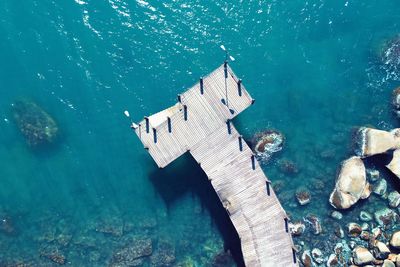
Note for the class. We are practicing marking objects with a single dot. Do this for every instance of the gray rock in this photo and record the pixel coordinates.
(394, 199)
(388, 263)
(332, 261)
(353, 229)
(315, 223)
(373, 175)
(385, 217)
(380, 187)
(365, 235)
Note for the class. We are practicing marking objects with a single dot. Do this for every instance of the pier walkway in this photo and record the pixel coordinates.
(200, 123)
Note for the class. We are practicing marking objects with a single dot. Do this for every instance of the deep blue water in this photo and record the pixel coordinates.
(313, 67)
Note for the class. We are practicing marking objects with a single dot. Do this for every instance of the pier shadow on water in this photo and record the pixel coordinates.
(184, 176)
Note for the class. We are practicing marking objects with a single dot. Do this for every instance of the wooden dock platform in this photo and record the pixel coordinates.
(200, 123)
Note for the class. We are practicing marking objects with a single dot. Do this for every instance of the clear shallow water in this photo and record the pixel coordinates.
(313, 68)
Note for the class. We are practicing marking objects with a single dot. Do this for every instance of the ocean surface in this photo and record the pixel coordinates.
(314, 68)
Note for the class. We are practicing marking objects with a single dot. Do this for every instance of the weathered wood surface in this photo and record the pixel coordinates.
(200, 123)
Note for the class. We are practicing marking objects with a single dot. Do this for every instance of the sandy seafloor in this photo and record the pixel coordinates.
(314, 68)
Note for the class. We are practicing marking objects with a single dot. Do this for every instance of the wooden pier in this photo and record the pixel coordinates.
(200, 123)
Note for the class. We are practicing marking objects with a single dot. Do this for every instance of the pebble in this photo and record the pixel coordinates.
(376, 232)
(336, 215)
(373, 175)
(365, 216)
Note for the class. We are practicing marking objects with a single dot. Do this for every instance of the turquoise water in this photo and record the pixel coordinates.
(313, 67)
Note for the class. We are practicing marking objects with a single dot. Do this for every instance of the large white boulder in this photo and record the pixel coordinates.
(372, 141)
(351, 184)
(362, 256)
(394, 165)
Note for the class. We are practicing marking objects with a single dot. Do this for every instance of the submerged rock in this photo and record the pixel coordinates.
(222, 259)
(315, 223)
(336, 215)
(110, 225)
(35, 124)
(132, 253)
(317, 255)
(267, 143)
(288, 167)
(54, 254)
(303, 196)
(391, 54)
(394, 165)
(371, 141)
(297, 228)
(6, 225)
(306, 258)
(351, 184)
(396, 101)
(164, 255)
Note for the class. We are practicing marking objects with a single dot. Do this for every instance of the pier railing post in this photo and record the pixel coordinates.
(228, 124)
(286, 225)
(155, 135)
(240, 143)
(169, 124)
(253, 162)
(201, 86)
(147, 124)
(239, 83)
(185, 115)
